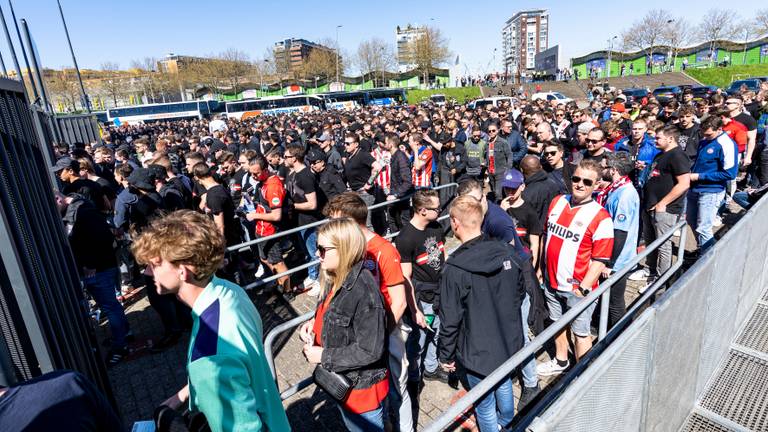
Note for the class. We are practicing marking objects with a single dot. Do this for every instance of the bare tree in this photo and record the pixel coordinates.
(761, 22)
(676, 34)
(321, 63)
(429, 50)
(64, 88)
(236, 67)
(113, 84)
(716, 25)
(374, 55)
(647, 33)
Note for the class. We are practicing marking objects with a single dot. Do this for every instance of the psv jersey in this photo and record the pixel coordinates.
(575, 237)
(422, 177)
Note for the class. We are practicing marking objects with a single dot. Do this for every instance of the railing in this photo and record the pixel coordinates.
(602, 292)
(503, 371)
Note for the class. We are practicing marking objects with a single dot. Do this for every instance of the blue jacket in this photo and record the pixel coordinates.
(716, 164)
(518, 146)
(646, 153)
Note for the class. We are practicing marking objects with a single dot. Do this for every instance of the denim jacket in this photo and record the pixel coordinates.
(354, 330)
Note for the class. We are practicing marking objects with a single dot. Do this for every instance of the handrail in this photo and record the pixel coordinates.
(502, 372)
(240, 247)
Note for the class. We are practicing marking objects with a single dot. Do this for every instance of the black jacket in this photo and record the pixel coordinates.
(330, 182)
(481, 290)
(539, 191)
(90, 236)
(401, 182)
(355, 330)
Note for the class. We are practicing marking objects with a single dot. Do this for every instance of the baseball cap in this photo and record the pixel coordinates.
(66, 162)
(315, 155)
(512, 179)
(618, 107)
(586, 126)
(142, 178)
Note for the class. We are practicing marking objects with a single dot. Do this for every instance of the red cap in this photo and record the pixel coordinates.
(618, 107)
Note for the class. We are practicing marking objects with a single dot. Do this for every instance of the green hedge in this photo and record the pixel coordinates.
(461, 94)
(723, 76)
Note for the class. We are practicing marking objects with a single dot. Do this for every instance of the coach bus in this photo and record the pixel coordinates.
(274, 105)
(351, 99)
(385, 96)
(161, 111)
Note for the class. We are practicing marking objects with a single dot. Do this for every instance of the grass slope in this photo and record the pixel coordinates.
(723, 76)
(459, 93)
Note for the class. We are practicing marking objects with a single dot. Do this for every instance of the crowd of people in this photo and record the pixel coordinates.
(550, 199)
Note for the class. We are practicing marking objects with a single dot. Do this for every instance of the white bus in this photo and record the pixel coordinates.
(274, 105)
(163, 111)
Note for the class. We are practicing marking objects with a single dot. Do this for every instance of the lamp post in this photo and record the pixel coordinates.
(261, 77)
(337, 52)
(746, 38)
(674, 56)
(610, 49)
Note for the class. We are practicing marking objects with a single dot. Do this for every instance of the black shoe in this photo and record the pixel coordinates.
(166, 342)
(438, 375)
(527, 395)
(115, 356)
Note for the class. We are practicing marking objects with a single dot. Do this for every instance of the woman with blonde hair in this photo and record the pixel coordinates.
(346, 338)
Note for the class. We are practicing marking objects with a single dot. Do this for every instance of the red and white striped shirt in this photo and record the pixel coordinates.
(576, 236)
(383, 157)
(422, 177)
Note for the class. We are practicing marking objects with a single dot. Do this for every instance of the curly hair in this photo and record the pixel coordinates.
(182, 237)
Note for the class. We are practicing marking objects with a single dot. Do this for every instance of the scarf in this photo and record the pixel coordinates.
(602, 195)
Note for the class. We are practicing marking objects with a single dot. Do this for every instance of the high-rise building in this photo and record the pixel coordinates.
(522, 37)
(406, 38)
(290, 54)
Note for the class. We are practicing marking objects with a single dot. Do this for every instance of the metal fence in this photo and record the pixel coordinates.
(651, 376)
(82, 128)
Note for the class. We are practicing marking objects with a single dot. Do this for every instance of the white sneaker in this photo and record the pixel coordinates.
(315, 290)
(260, 271)
(718, 222)
(551, 368)
(639, 275)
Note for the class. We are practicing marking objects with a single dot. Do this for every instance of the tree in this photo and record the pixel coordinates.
(428, 51)
(761, 22)
(716, 25)
(647, 33)
(236, 67)
(144, 70)
(64, 88)
(676, 35)
(113, 84)
(374, 55)
(320, 63)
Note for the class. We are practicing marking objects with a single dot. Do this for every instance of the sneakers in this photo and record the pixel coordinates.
(438, 375)
(527, 395)
(639, 275)
(717, 222)
(115, 356)
(551, 367)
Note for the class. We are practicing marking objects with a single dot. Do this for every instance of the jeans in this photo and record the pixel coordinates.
(742, 199)
(497, 408)
(418, 340)
(309, 237)
(101, 287)
(702, 210)
(398, 396)
(368, 421)
(530, 377)
(656, 224)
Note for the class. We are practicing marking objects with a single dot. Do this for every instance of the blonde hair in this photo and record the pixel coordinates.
(348, 239)
(468, 211)
(182, 237)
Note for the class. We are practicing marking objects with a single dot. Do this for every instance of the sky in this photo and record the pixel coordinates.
(112, 31)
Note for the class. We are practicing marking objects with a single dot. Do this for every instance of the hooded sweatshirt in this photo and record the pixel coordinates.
(481, 291)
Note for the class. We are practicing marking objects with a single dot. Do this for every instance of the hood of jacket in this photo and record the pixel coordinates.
(481, 255)
(540, 176)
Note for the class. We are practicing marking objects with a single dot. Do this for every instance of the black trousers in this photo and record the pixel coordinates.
(175, 315)
(616, 304)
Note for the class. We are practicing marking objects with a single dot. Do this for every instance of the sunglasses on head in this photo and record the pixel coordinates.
(323, 249)
(587, 182)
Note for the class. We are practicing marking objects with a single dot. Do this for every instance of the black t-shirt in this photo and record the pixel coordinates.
(664, 170)
(753, 108)
(689, 141)
(299, 185)
(747, 120)
(526, 221)
(424, 250)
(89, 189)
(218, 201)
(57, 401)
(598, 158)
(358, 169)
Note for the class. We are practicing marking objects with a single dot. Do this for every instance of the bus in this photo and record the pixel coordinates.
(385, 96)
(274, 105)
(348, 100)
(161, 111)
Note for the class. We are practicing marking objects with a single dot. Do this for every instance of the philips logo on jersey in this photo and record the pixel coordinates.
(563, 232)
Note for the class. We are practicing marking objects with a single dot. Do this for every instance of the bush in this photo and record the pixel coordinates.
(459, 93)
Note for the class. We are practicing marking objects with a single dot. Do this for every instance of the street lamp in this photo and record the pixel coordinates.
(337, 51)
(261, 77)
(610, 49)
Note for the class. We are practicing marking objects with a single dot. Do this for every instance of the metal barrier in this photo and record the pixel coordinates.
(666, 358)
(602, 292)
(245, 245)
(82, 128)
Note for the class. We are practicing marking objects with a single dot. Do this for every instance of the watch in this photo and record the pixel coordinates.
(585, 292)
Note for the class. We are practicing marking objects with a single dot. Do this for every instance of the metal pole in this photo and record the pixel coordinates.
(23, 53)
(337, 52)
(13, 50)
(74, 60)
(36, 64)
(2, 64)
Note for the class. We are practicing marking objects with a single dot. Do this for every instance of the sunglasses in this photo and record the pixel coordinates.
(593, 141)
(587, 182)
(323, 249)
(438, 210)
(550, 153)
(346, 143)
(492, 130)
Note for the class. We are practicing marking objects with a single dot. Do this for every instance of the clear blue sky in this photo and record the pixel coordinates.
(107, 30)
